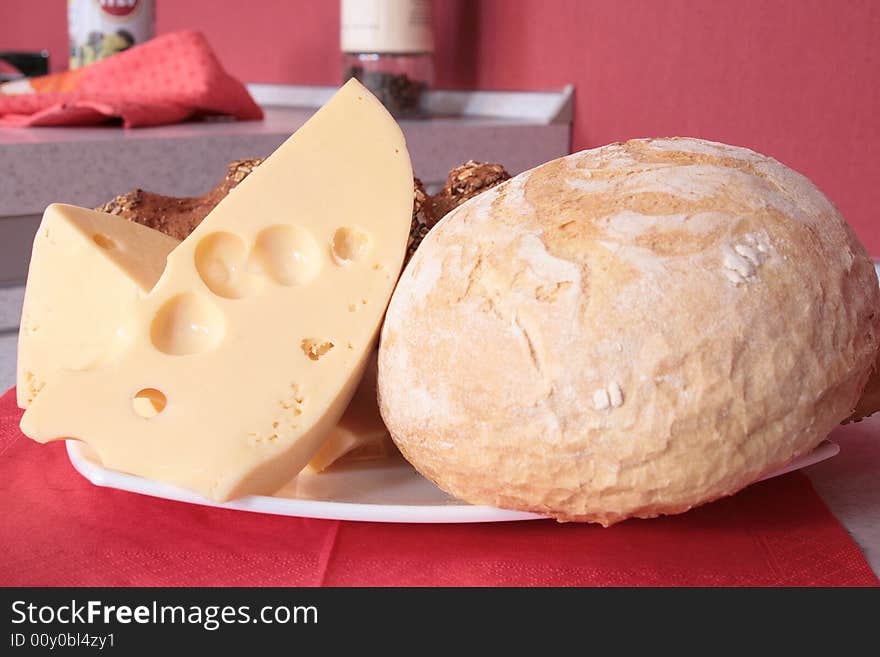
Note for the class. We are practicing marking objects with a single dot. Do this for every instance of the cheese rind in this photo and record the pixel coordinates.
(222, 334)
(88, 270)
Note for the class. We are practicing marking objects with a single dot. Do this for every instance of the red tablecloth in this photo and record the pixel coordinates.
(58, 529)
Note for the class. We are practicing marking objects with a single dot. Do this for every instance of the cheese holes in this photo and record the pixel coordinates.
(349, 245)
(221, 261)
(285, 254)
(148, 402)
(186, 324)
(103, 241)
(288, 254)
(314, 348)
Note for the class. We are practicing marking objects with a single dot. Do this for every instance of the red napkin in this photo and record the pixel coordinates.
(57, 529)
(166, 80)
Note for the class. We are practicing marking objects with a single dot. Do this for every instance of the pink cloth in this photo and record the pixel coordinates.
(169, 79)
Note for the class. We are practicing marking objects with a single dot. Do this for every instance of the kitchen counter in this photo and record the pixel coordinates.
(89, 166)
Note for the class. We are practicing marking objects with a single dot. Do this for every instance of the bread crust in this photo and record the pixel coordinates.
(869, 402)
(628, 331)
(172, 215)
(179, 216)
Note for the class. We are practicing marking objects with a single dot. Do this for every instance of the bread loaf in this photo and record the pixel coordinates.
(869, 402)
(177, 216)
(628, 331)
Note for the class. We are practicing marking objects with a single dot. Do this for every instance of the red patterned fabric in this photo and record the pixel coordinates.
(57, 529)
(166, 80)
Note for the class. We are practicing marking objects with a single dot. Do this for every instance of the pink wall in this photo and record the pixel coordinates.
(796, 79)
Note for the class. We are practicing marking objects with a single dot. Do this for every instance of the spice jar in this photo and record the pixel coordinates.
(100, 28)
(388, 45)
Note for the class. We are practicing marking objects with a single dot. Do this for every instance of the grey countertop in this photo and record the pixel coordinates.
(89, 166)
(8, 342)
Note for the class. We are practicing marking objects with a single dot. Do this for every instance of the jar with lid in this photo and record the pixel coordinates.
(388, 45)
(101, 28)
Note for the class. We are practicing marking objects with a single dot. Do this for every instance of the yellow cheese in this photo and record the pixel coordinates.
(246, 352)
(87, 271)
(360, 433)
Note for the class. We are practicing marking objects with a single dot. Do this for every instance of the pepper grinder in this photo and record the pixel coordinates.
(388, 45)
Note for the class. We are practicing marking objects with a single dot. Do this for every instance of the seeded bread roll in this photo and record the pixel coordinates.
(628, 331)
(463, 183)
(172, 215)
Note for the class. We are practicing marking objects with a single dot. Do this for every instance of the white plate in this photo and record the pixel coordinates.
(381, 491)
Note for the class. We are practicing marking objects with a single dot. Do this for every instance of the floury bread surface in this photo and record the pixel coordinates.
(628, 331)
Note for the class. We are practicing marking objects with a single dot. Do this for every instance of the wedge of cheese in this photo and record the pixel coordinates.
(246, 352)
(88, 270)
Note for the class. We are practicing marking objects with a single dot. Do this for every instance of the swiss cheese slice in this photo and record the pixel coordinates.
(246, 352)
(88, 270)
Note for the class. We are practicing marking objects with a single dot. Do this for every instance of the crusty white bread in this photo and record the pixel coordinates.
(628, 331)
(869, 402)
